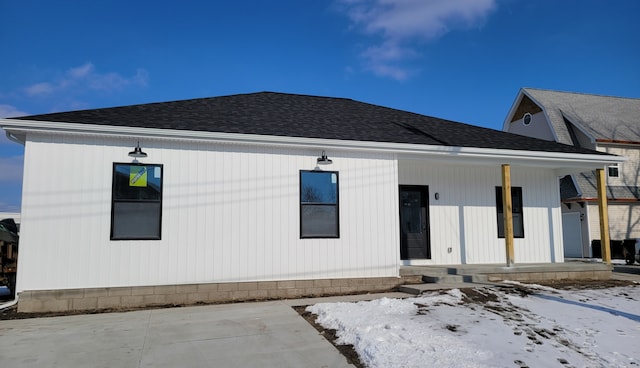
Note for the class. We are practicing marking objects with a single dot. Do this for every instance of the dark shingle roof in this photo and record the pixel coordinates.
(279, 114)
(568, 189)
(588, 188)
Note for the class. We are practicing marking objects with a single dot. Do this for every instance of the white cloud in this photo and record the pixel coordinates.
(381, 60)
(141, 78)
(399, 24)
(81, 71)
(383, 69)
(85, 77)
(11, 169)
(8, 111)
(39, 89)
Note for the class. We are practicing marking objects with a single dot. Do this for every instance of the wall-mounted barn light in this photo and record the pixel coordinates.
(324, 160)
(137, 152)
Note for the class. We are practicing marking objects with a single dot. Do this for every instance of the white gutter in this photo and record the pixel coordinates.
(13, 139)
(503, 155)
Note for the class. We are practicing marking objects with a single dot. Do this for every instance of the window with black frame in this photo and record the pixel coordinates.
(516, 210)
(319, 208)
(136, 205)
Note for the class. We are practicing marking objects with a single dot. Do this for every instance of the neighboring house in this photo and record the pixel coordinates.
(11, 215)
(602, 123)
(269, 195)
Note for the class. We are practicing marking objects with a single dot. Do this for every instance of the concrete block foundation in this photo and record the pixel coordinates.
(94, 299)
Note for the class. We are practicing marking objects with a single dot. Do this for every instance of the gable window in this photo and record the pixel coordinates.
(136, 202)
(319, 210)
(614, 171)
(516, 204)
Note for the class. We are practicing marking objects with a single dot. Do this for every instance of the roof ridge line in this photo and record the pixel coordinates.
(580, 93)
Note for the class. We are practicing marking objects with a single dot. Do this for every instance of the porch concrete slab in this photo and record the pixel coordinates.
(467, 269)
(269, 334)
(344, 298)
(417, 289)
(522, 272)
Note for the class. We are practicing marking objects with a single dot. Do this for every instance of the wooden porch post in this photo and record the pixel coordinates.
(604, 217)
(507, 210)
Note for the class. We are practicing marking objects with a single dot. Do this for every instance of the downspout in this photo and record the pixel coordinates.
(14, 301)
(9, 304)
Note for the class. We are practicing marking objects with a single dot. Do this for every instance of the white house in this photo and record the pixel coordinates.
(603, 123)
(235, 199)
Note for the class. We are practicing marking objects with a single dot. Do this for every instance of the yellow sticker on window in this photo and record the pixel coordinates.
(138, 176)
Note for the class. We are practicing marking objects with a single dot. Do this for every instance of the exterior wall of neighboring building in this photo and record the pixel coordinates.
(230, 214)
(624, 221)
(464, 217)
(624, 217)
(629, 171)
(537, 128)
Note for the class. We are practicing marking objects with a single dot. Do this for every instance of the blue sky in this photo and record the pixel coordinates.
(462, 60)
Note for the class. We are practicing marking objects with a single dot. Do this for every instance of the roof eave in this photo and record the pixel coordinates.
(573, 162)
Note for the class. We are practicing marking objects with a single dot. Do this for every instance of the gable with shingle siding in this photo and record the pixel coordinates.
(602, 117)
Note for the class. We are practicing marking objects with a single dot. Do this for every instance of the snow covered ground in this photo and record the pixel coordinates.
(522, 325)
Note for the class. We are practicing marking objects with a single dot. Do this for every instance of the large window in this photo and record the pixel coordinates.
(516, 204)
(319, 212)
(136, 202)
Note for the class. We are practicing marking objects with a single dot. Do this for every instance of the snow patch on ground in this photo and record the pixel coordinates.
(519, 325)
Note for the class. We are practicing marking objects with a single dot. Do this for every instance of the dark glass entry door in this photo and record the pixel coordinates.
(414, 222)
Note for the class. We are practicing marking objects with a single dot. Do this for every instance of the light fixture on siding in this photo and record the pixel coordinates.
(324, 160)
(137, 152)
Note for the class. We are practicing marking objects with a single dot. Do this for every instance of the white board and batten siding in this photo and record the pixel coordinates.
(464, 216)
(230, 213)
